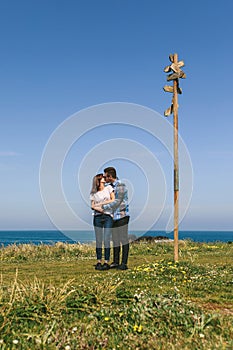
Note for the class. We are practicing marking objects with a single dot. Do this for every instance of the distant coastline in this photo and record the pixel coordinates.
(52, 236)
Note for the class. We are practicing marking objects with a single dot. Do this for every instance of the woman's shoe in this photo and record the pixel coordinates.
(98, 266)
(105, 266)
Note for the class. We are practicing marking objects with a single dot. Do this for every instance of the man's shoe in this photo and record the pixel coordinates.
(114, 265)
(105, 266)
(98, 266)
(122, 267)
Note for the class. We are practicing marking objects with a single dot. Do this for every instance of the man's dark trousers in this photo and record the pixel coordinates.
(120, 237)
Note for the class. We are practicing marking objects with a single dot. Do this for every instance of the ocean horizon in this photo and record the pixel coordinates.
(8, 237)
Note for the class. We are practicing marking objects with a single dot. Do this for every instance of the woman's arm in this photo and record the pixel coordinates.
(112, 198)
(98, 206)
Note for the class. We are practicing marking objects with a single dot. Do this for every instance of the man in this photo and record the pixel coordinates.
(121, 219)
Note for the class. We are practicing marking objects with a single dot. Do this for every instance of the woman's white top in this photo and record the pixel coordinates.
(102, 196)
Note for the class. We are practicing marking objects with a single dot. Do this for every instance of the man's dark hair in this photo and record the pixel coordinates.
(111, 171)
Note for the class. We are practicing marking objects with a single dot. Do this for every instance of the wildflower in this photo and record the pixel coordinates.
(67, 347)
(146, 269)
(15, 341)
(49, 340)
(74, 329)
(201, 335)
(106, 318)
(139, 329)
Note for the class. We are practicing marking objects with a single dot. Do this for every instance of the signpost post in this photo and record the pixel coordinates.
(177, 73)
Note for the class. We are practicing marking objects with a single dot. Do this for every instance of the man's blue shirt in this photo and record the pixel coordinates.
(120, 205)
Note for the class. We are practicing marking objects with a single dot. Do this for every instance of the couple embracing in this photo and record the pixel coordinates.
(109, 200)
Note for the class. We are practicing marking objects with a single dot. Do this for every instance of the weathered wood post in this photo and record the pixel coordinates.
(175, 89)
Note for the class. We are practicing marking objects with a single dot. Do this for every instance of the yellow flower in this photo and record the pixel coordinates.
(139, 329)
(106, 318)
(146, 269)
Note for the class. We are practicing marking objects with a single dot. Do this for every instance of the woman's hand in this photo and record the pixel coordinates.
(97, 208)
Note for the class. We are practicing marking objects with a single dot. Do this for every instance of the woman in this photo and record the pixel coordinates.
(103, 220)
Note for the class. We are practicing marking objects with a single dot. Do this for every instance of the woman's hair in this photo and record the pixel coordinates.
(96, 183)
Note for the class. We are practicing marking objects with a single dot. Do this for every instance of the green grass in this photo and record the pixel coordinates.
(52, 298)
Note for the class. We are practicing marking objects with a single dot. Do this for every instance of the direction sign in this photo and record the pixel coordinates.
(168, 111)
(168, 88)
(178, 75)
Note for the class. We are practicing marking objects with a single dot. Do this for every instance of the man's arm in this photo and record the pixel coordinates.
(112, 198)
(99, 206)
(120, 197)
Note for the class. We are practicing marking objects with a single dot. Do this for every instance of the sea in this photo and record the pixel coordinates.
(52, 236)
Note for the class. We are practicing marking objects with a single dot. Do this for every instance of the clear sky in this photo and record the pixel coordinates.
(59, 57)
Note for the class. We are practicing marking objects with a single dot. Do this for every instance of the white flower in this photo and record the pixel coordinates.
(67, 347)
(74, 329)
(15, 341)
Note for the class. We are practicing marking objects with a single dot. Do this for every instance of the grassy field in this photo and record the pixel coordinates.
(52, 298)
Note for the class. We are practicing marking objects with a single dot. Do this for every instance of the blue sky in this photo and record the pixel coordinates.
(60, 57)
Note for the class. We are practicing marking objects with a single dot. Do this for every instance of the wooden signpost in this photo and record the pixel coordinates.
(174, 76)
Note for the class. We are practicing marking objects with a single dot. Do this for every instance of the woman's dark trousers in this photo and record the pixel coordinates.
(103, 229)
